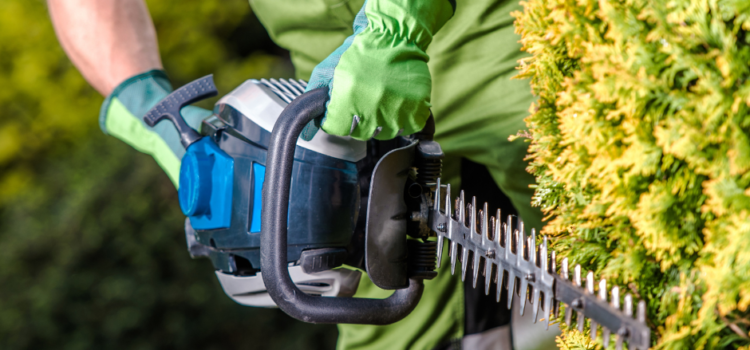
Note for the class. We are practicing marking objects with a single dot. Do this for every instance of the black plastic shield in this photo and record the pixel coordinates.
(386, 253)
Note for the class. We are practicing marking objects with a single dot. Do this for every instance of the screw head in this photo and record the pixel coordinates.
(490, 254)
(577, 304)
(623, 332)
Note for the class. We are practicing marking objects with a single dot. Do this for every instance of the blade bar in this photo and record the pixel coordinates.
(516, 256)
(638, 334)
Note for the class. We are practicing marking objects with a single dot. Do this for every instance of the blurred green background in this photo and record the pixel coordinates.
(92, 251)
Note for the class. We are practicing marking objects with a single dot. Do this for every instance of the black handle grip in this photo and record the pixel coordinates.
(170, 106)
(273, 239)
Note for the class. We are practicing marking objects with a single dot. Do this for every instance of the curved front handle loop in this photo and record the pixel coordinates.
(273, 241)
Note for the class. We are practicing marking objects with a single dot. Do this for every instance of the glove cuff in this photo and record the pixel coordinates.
(138, 94)
(414, 21)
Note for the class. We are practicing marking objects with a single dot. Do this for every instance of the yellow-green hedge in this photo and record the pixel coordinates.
(640, 141)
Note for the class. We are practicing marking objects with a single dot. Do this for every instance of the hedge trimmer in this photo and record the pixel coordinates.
(276, 215)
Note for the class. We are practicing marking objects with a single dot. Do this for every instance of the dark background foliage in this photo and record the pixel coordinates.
(92, 252)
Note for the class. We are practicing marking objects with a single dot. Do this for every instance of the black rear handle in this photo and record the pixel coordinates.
(273, 241)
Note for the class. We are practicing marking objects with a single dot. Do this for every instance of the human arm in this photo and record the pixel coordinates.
(113, 44)
(108, 41)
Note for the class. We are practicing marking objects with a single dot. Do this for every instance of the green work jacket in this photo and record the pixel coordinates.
(476, 106)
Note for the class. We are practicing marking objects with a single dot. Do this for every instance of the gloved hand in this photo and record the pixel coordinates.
(122, 116)
(378, 81)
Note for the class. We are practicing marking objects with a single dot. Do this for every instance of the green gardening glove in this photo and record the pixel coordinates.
(122, 116)
(378, 81)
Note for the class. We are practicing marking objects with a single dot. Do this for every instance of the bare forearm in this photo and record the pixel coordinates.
(107, 40)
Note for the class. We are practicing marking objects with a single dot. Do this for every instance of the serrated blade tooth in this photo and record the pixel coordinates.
(476, 261)
(509, 236)
(491, 236)
(603, 296)
(565, 274)
(487, 276)
(437, 195)
(535, 304)
(448, 213)
(439, 250)
(552, 259)
(461, 209)
(523, 294)
(605, 337)
(532, 247)
(511, 287)
(506, 240)
(521, 237)
(579, 315)
(498, 229)
(628, 305)
(499, 283)
(641, 314)
(453, 253)
(520, 247)
(555, 308)
(619, 339)
(548, 309)
(464, 262)
(580, 321)
(485, 223)
(543, 255)
(616, 304)
(473, 218)
(590, 289)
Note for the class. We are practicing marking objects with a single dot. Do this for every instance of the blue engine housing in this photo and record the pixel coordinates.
(206, 181)
(222, 174)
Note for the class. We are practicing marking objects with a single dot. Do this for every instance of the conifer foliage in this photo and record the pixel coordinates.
(640, 141)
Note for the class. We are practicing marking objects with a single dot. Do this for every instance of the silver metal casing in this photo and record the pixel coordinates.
(265, 111)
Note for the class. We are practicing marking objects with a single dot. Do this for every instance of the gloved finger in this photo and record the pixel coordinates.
(348, 124)
(386, 133)
(413, 121)
(417, 124)
(364, 131)
(365, 128)
(337, 125)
